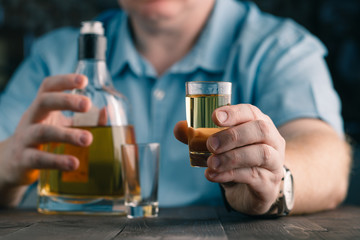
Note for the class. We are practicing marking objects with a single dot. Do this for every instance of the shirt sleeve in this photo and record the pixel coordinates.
(293, 80)
(19, 93)
(51, 54)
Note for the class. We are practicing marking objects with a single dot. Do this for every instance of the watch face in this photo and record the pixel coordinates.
(288, 190)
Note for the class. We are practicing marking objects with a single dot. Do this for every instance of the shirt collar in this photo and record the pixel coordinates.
(123, 53)
(213, 47)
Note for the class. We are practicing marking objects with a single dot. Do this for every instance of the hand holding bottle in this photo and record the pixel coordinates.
(97, 183)
(43, 122)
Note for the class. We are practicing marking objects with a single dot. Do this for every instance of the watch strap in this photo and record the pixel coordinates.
(279, 208)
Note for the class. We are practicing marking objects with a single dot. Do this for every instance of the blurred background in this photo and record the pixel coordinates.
(335, 22)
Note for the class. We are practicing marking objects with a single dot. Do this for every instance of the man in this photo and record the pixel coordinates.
(285, 111)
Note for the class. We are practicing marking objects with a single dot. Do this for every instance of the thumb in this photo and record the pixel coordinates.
(180, 131)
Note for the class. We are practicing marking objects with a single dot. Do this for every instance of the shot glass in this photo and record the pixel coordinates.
(202, 98)
(141, 172)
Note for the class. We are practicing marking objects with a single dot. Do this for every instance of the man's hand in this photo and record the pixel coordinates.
(42, 123)
(247, 158)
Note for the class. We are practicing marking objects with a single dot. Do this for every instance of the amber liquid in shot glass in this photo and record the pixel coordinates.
(199, 109)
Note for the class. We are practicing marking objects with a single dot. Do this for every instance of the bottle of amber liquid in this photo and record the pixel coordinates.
(97, 186)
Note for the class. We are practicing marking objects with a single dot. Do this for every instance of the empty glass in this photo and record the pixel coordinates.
(141, 171)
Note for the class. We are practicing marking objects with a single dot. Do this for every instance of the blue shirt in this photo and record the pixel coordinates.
(273, 63)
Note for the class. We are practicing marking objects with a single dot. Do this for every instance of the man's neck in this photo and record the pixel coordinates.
(163, 43)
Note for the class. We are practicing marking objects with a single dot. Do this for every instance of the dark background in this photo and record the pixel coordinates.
(335, 22)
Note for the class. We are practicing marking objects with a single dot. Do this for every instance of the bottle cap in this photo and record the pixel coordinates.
(92, 27)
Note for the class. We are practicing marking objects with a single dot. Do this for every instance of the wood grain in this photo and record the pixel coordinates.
(181, 223)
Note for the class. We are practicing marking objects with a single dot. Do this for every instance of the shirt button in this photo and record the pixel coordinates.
(159, 94)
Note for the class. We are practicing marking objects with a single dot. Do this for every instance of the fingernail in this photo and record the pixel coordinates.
(70, 165)
(82, 105)
(84, 139)
(222, 116)
(214, 143)
(215, 162)
(78, 80)
(212, 174)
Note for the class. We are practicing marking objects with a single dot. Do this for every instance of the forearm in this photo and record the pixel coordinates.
(320, 163)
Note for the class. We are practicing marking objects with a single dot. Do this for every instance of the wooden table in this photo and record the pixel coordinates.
(181, 223)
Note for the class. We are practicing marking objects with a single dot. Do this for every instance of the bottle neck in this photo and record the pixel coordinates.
(96, 71)
(92, 46)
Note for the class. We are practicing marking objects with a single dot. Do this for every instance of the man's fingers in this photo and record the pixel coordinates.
(63, 82)
(36, 159)
(47, 102)
(257, 131)
(180, 131)
(255, 177)
(227, 116)
(43, 133)
(256, 155)
(103, 117)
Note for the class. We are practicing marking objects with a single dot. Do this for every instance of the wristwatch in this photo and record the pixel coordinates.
(285, 201)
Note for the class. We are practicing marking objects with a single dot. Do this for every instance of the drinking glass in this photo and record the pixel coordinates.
(141, 171)
(202, 98)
